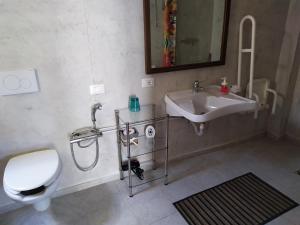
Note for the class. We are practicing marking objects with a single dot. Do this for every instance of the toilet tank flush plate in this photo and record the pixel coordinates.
(18, 82)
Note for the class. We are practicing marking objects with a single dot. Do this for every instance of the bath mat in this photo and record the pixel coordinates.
(241, 201)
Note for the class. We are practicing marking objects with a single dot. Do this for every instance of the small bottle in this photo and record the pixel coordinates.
(224, 86)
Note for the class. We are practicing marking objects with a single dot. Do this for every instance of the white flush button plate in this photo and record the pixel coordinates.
(18, 82)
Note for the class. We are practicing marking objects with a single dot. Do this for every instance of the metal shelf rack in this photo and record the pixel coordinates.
(147, 147)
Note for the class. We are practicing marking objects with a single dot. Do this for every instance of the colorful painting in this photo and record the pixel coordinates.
(170, 10)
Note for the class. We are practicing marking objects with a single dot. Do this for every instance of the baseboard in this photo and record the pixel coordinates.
(79, 187)
(65, 191)
(115, 176)
(10, 207)
(292, 138)
(217, 147)
(274, 135)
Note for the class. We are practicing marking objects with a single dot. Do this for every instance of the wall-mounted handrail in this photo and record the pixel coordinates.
(274, 99)
(249, 50)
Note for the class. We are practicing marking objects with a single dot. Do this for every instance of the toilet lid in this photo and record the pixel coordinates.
(31, 170)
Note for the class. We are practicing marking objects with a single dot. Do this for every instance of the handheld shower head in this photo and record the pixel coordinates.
(94, 109)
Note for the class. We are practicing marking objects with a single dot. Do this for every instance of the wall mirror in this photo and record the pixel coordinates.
(185, 34)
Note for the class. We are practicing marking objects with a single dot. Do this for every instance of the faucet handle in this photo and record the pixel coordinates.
(197, 87)
(196, 83)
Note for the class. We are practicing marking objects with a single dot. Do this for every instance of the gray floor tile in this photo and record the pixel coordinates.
(174, 219)
(152, 209)
(112, 216)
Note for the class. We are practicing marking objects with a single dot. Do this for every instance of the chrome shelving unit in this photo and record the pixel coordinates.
(147, 150)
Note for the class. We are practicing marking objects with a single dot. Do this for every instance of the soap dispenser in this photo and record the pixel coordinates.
(224, 86)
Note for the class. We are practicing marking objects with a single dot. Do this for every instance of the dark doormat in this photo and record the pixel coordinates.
(244, 200)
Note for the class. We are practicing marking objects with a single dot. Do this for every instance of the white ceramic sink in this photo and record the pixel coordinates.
(206, 105)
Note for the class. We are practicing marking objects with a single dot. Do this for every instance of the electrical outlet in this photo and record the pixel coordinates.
(147, 82)
(97, 89)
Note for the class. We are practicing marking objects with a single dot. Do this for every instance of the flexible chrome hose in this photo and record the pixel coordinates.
(85, 146)
(84, 141)
(92, 141)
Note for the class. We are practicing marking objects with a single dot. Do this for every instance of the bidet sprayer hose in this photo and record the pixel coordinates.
(96, 157)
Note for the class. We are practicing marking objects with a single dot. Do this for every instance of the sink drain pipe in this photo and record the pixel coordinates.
(199, 128)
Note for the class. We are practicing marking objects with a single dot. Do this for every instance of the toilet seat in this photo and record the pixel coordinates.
(32, 178)
(32, 170)
(17, 196)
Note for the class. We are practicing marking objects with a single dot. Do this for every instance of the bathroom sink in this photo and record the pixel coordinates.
(206, 105)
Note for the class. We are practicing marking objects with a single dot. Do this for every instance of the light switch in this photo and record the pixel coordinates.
(97, 89)
(18, 82)
(147, 82)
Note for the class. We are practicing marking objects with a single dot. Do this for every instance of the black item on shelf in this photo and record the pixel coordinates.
(135, 167)
(139, 172)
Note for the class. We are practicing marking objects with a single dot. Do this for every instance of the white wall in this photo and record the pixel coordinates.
(293, 127)
(75, 43)
(285, 79)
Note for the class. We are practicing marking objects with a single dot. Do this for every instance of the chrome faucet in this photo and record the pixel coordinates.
(94, 109)
(196, 87)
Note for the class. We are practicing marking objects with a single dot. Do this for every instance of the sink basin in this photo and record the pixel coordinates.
(206, 105)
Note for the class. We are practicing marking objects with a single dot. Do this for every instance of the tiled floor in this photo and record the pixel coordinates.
(108, 204)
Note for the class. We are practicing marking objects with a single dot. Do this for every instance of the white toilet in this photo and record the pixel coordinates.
(33, 177)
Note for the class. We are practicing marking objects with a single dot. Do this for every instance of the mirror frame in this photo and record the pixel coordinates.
(147, 37)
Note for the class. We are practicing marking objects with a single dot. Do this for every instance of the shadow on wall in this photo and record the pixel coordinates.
(293, 119)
